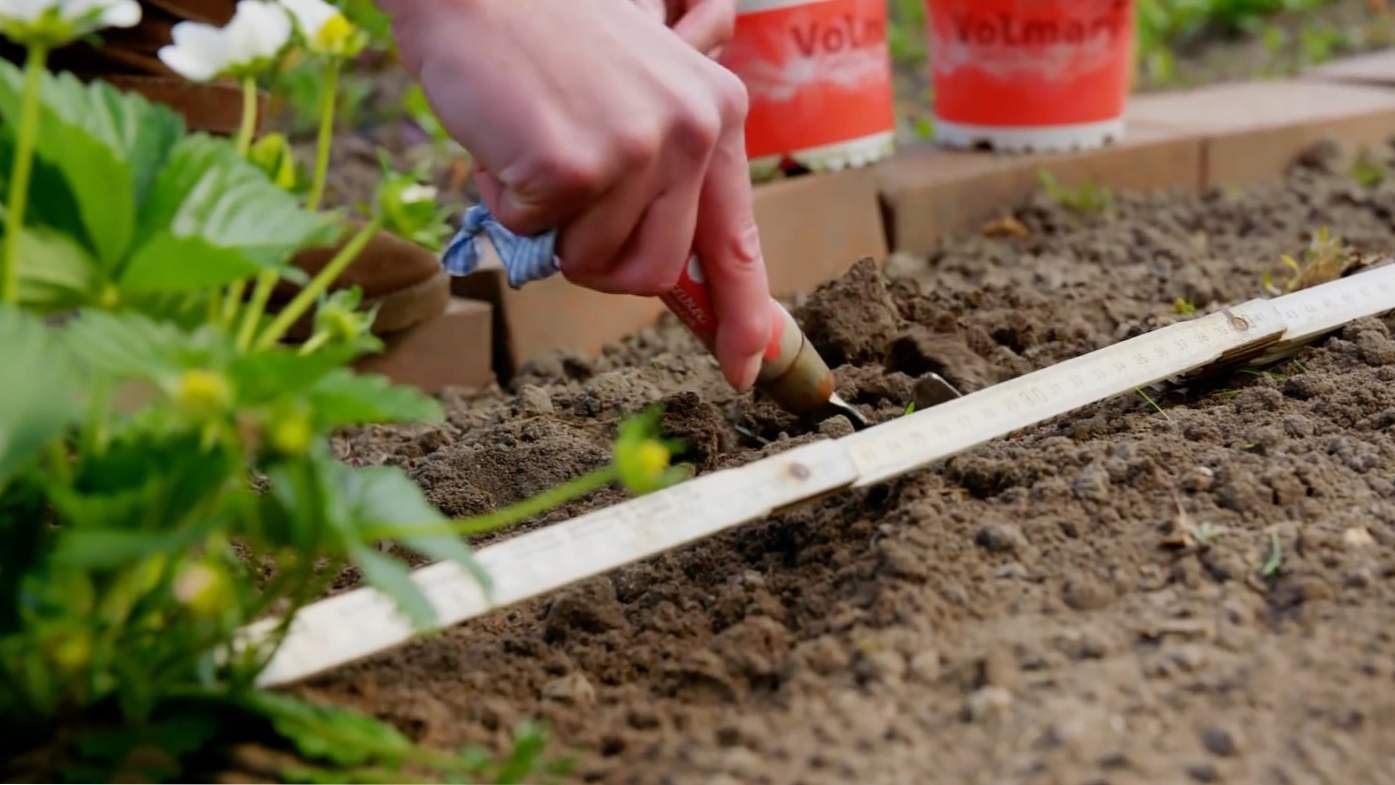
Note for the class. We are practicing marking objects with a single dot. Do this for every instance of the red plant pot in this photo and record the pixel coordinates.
(819, 78)
(1030, 74)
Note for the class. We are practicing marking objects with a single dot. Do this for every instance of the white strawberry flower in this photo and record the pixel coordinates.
(57, 22)
(248, 44)
(325, 28)
(417, 192)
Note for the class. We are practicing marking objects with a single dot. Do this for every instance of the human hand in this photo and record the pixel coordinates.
(707, 25)
(590, 118)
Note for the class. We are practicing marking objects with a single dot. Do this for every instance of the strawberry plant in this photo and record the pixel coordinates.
(165, 471)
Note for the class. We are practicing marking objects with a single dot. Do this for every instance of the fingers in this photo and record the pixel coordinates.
(729, 245)
(589, 247)
(653, 259)
(707, 25)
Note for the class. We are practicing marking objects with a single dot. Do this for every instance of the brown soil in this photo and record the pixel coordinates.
(1081, 603)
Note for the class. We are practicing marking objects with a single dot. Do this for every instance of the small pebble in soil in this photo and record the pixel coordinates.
(1000, 538)
(1358, 537)
(987, 704)
(1085, 593)
(1203, 772)
(925, 666)
(534, 400)
(1000, 669)
(836, 427)
(573, 689)
(1218, 741)
(887, 667)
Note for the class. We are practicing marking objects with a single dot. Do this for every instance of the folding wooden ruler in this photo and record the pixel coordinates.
(362, 622)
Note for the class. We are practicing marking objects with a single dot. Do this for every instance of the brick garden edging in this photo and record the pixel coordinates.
(813, 227)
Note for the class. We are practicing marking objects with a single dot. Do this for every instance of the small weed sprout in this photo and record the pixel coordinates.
(1369, 171)
(1154, 404)
(1183, 307)
(1325, 259)
(1086, 199)
(1204, 534)
(1275, 560)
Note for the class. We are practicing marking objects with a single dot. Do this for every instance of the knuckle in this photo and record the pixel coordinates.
(646, 280)
(561, 175)
(696, 132)
(733, 102)
(726, 24)
(637, 144)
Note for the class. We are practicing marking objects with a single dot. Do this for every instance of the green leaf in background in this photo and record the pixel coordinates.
(39, 390)
(379, 496)
(107, 144)
(56, 272)
(213, 218)
(343, 397)
(383, 498)
(128, 345)
(394, 579)
(329, 734)
(273, 155)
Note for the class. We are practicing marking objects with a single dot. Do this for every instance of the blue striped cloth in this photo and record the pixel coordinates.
(525, 258)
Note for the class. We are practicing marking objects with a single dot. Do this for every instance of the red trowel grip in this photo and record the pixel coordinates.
(791, 371)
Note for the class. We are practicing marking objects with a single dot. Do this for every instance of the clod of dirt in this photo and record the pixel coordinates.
(590, 607)
(918, 351)
(482, 474)
(851, 319)
(572, 689)
(698, 425)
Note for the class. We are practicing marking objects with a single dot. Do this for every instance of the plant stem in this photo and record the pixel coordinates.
(266, 281)
(19, 175)
(249, 115)
(317, 340)
(215, 306)
(508, 516)
(328, 100)
(233, 300)
(317, 286)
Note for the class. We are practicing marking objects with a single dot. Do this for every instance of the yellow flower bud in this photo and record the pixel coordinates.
(203, 588)
(335, 36)
(203, 392)
(68, 649)
(290, 434)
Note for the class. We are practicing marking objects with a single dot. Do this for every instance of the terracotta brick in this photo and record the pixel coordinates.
(1374, 68)
(451, 350)
(553, 314)
(1254, 131)
(929, 192)
(814, 227)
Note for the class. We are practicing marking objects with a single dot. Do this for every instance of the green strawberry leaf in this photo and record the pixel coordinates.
(325, 733)
(343, 397)
(39, 390)
(394, 579)
(130, 346)
(213, 218)
(107, 144)
(55, 272)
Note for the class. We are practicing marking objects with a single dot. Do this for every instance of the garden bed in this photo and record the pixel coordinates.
(1197, 592)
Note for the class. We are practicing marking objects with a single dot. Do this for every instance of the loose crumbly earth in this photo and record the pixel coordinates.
(1080, 603)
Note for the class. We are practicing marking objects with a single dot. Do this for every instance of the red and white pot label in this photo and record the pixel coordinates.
(818, 73)
(1027, 63)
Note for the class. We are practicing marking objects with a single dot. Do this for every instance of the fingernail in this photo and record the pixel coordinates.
(749, 372)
